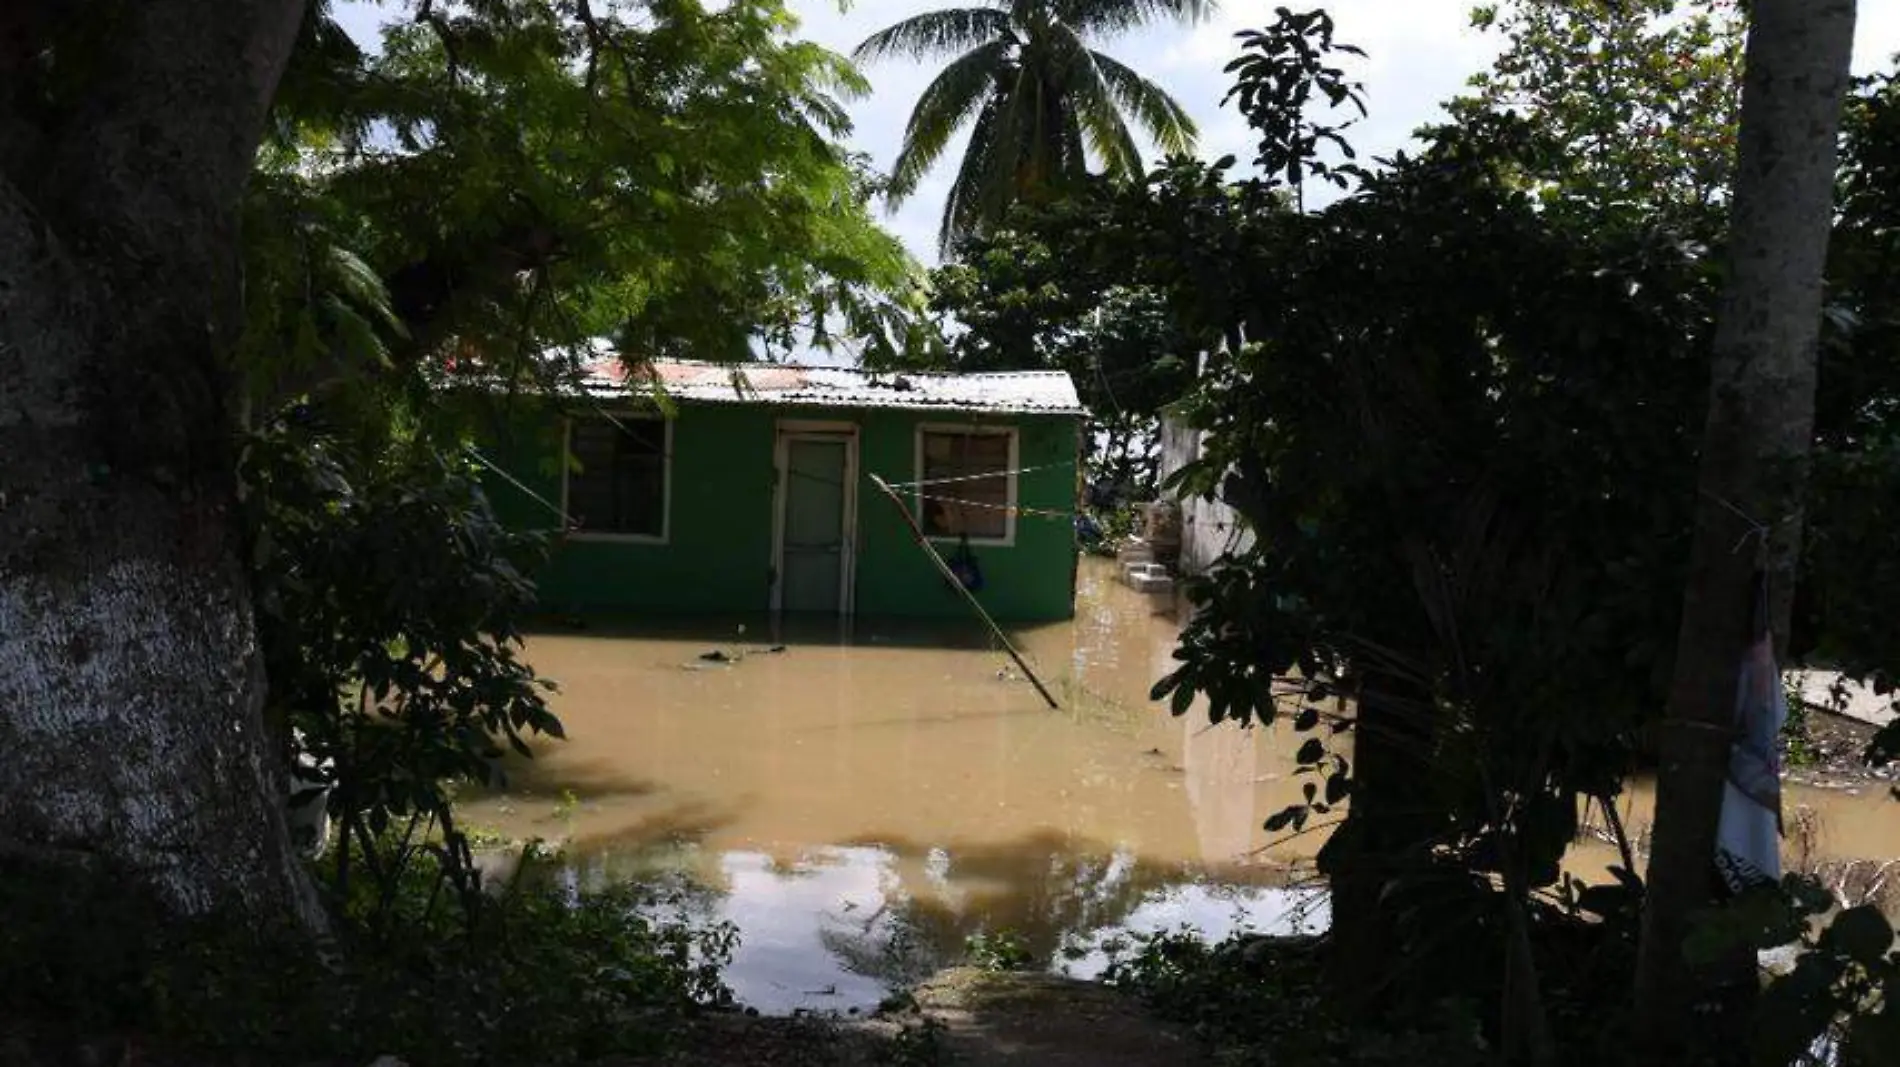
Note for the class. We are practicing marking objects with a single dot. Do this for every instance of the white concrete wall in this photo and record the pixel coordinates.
(1208, 528)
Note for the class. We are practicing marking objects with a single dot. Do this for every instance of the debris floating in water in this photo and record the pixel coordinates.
(732, 657)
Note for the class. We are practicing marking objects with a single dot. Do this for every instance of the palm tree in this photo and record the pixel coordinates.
(1044, 101)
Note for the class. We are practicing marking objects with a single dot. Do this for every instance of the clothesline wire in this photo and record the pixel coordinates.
(1017, 509)
(980, 477)
(1012, 508)
(567, 520)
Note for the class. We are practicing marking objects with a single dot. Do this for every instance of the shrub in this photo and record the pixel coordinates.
(543, 975)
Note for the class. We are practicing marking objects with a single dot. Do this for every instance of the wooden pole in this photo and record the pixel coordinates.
(950, 576)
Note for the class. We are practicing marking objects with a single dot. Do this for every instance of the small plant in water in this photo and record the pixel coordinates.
(1002, 950)
(1796, 737)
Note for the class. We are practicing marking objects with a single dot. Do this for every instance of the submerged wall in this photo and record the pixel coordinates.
(1208, 527)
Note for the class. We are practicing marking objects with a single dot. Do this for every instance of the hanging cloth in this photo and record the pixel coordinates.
(1747, 850)
(963, 564)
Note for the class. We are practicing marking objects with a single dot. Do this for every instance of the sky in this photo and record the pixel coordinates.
(1419, 53)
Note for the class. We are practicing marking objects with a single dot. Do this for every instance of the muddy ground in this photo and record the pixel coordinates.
(963, 1016)
(1830, 757)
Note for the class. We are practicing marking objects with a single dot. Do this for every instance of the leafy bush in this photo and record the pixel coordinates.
(1258, 1000)
(388, 600)
(1002, 950)
(542, 976)
(1840, 1001)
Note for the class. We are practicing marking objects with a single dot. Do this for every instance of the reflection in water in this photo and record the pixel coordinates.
(840, 927)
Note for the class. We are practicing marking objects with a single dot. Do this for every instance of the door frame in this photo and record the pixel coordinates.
(846, 433)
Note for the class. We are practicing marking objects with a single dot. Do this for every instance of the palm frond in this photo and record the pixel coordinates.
(359, 283)
(1090, 106)
(1117, 16)
(1031, 140)
(1075, 148)
(963, 208)
(935, 33)
(1162, 117)
(945, 106)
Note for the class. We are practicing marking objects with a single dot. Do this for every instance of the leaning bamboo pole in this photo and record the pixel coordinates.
(917, 533)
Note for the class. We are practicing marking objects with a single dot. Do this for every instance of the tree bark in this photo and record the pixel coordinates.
(1383, 837)
(131, 685)
(1754, 451)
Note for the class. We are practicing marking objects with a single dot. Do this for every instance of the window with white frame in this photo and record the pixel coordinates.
(968, 482)
(616, 476)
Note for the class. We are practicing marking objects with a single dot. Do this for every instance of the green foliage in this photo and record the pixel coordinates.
(388, 599)
(1850, 574)
(1257, 1000)
(999, 950)
(1044, 102)
(1461, 427)
(1459, 410)
(1843, 989)
(1635, 103)
(1797, 734)
(545, 976)
(532, 174)
(1277, 76)
(1435, 349)
(1118, 523)
(312, 305)
(1045, 291)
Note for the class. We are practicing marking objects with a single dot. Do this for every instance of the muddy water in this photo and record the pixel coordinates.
(862, 801)
(1824, 828)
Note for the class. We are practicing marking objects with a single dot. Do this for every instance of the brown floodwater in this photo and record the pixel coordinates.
(861, 802)
(860, 798)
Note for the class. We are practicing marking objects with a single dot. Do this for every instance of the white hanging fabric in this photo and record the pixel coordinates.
(1748, 838)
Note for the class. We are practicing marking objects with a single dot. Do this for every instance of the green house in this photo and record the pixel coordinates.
(753, 492)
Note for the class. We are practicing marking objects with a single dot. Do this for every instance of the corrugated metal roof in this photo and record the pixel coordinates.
(1008, 392)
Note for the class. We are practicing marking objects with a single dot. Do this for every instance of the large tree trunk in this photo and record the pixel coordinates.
(131, 739)
(1382, 838)
(1754, 451)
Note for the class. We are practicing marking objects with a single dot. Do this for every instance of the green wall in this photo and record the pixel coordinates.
(717, 557)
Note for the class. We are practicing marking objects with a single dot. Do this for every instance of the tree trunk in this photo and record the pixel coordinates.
(1381, 838)
(1754, 451)
(131, 740)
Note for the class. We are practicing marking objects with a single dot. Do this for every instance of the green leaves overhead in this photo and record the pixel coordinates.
(1045, 290)
(938, 33)
(1160, 114)
(526, 175)
(1117, 16)
(1277, 77)
(1040, 100)
(1459, 428)
(957, 93)
(1635, 102)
